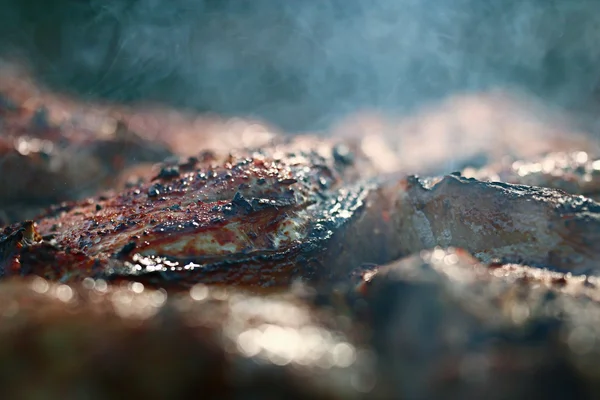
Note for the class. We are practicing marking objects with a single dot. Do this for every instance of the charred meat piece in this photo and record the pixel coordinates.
(575, 173)
(447, 327)
(12, 241)
(22, 248)
(302, 208)
(101, 341)
(511, 223)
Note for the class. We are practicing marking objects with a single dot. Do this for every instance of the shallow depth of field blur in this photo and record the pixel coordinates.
(425, 87)
(454, 74)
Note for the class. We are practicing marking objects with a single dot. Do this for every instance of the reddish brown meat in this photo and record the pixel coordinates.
(43, 162)
(263, 211)
(302, 208)
(539, 226)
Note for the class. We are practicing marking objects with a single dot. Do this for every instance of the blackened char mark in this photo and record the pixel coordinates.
(167, 172)
(13, 239)
(308, 259)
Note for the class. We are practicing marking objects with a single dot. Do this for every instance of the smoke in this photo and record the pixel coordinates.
(305, 64)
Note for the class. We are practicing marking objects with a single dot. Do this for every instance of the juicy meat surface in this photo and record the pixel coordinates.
(301, 208)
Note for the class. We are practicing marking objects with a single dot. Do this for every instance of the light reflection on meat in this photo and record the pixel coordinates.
(260, 218)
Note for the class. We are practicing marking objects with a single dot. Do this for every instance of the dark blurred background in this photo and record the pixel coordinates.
(304, 64)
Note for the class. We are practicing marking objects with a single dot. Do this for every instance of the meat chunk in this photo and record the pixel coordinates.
(469, 130)
(301, 208)
(499, 221)
(447, 327)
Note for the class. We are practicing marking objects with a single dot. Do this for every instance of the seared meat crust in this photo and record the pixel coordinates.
(302, 208)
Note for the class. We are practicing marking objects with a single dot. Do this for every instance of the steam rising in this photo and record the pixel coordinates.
(305, 64)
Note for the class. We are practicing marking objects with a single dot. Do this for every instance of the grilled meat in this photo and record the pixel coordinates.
(447, 327)
(301, 208)
(499, 221)
(101, 341)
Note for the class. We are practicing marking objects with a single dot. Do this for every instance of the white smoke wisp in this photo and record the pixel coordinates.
(304, 65)
(465, 130)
